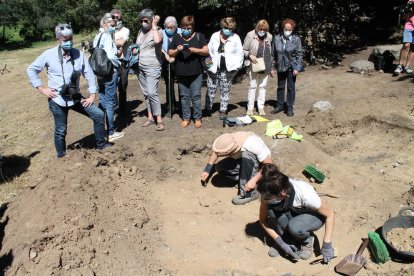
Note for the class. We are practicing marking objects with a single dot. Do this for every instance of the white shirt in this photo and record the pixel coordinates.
(306, 197)
(124, 34)
(233, 52)
(255, 145)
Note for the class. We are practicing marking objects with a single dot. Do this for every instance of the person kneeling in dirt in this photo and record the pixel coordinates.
(290, 211)
(245, 151)
(64, 66)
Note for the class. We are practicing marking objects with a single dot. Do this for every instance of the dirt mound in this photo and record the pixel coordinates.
(88, 214)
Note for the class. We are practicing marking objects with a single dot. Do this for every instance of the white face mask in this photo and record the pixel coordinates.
(145, 25)
(287, 33)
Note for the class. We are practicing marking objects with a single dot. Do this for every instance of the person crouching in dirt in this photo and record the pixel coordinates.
(64, 66)
(245, 152)
(290, 211)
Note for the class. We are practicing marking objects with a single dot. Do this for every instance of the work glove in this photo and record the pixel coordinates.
(327, 251)
(290, 250)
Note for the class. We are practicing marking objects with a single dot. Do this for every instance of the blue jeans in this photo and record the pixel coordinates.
(190, 92)
(108, 99)
(282, 77)
(60, 114)
(298, 226)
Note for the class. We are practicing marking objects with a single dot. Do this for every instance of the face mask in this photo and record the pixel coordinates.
(187, 33)
(261, 34)
(67, 45)
(119, 25)
(111, 30)
(145, 25)
(287, 33)
(227, 32)
(274, 201)
(169, 32)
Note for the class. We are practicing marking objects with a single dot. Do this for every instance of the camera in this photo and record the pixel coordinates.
(70, 90)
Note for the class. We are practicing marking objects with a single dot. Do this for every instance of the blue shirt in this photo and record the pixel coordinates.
(166, 40)
(56, 77)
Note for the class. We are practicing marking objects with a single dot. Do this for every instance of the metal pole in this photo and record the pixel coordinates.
(169, 91)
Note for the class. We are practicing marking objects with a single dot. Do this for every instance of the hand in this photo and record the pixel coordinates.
(155, 21)
(253, 59)
(171, 60)
(273, 73)
(88, 101)
(180, 48)
(193, 50)
(250, 185)
(327, 251)
(134, 51)
(295, 72)
(48, 92)
(290, 250)
(119, 52)
(204, 176)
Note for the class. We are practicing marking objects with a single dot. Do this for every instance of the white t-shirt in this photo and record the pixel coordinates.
(306, 197)
(255, 145)
(124, 34)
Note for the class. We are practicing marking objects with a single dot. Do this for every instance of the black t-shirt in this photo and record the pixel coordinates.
(187, 64)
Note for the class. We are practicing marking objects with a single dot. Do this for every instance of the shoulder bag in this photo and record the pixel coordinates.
(99, 61)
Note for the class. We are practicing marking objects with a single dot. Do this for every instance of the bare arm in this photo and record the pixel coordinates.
(264, 221)
(213, 158)
(200, 51)
(251, 184)
(327, 212)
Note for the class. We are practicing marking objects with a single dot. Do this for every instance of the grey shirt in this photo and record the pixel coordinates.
(149, 53)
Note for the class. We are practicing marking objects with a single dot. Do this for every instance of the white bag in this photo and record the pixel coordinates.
(259, 66)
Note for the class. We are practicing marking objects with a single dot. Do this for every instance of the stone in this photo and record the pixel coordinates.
(362, 66)
(323, 106)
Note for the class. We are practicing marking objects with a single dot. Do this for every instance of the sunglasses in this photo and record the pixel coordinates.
(115, 17)
(143, 21)
(65, 27)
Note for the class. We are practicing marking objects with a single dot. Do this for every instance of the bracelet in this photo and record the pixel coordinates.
(208, 168)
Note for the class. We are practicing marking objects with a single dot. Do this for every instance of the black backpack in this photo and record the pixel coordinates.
(99, 61)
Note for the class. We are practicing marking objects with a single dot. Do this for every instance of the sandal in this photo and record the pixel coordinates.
(160, 126)
(148, 123)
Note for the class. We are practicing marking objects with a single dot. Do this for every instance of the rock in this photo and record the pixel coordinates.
(32, 254)
(362, 66)
(323, 106)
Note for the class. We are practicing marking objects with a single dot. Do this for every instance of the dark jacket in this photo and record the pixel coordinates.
(288, 53)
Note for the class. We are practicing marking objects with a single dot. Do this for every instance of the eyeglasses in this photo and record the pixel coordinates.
(115, 17)
(65, 27)
(143, 21)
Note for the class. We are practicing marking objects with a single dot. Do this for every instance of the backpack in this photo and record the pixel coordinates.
(383, 61)
(100, 63)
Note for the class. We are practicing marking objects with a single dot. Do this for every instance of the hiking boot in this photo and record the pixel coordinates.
(261, 112)
(222, 115)
(290, 113)
(273, 252)
(408, 70)
(277, 110)
(398, 70)
(197, 123)
(116, 135)
(240, 200)
(306, 250)
(249, 112)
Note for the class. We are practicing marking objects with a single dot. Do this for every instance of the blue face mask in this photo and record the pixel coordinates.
(187, 33)
(67, 45)
(169, 32)
(111, 30)
(227, 32)
(261, 33)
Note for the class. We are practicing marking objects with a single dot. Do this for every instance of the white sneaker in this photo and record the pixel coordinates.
(408, 70)
(116, 135)
(398, 70)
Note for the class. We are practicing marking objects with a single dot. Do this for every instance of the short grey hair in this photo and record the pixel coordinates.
(107, 18)
(170, 19)
(148, 13)
(63, 29)
(114, 11)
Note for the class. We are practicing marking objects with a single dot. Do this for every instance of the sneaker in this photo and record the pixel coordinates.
(261, 112)
(107, 145)
(185, 123)
(273, 252)
(222, 115)
(290, 113)
(249, 112)
(306, 250)
(240, 200)
(197, 123)
(398, 70)
(408, 70)
(277, 110)
(116, 135)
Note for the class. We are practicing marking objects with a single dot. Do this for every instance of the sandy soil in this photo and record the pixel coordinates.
(139, 208)
(402, 238)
